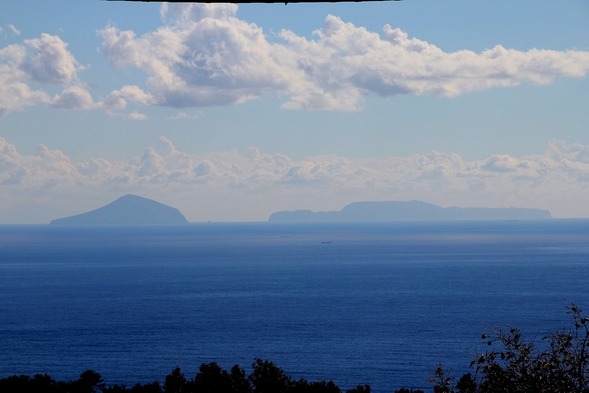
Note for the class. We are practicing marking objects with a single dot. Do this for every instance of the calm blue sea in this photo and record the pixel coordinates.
(356, 303)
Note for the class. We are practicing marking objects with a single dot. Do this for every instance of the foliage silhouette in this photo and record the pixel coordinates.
(558, 363)
(266, 377)
(175, 382)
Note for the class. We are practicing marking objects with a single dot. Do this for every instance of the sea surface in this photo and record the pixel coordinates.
(354, 303)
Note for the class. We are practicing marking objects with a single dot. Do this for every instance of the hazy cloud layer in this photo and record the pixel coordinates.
(204, 55)
(251, 185)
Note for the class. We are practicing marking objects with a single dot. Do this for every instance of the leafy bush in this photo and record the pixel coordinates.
(558, 363)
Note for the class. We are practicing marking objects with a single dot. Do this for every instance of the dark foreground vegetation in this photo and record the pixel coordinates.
(555, 363)
(266, 377)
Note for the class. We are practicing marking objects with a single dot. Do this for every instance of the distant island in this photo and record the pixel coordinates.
(408, 210)
(127, 210)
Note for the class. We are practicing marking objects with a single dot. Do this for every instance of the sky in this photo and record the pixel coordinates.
(231, 113)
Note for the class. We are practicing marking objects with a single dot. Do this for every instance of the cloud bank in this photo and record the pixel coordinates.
(251, 185)
(204, 55)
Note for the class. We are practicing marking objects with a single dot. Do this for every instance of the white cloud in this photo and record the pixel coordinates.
(43, 170)
(204, 56)
(17, 95)
(74, 97)
(204, 185)
(50, 63)
(12, 29)
(136, 116)
(117, 99)
(187, 13)
(14, 92)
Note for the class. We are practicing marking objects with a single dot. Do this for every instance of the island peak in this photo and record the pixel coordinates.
(127, 210)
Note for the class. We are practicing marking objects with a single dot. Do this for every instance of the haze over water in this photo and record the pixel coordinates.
(362, 303)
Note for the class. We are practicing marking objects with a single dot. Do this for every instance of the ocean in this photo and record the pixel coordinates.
(373, 303)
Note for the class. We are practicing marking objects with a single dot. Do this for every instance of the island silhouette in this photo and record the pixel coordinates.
(127, 210)
(408, 210)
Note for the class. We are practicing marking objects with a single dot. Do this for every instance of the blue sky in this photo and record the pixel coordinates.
(231, 113)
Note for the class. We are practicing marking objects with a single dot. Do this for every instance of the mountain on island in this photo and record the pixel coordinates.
(407, 210)
(127, 210)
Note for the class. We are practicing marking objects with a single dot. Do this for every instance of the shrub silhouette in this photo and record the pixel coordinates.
(266, 377)
(211, 378)
(175, 382)
(239, 381)
(558, 363)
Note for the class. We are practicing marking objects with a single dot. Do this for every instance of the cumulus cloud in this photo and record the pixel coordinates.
(187, 13)
(14, 92)
(74, 97)
(51, 62)
(204, 55)
(117, 99)
(557, 180)
(44, 60)
(52, 166)
(17, 95)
